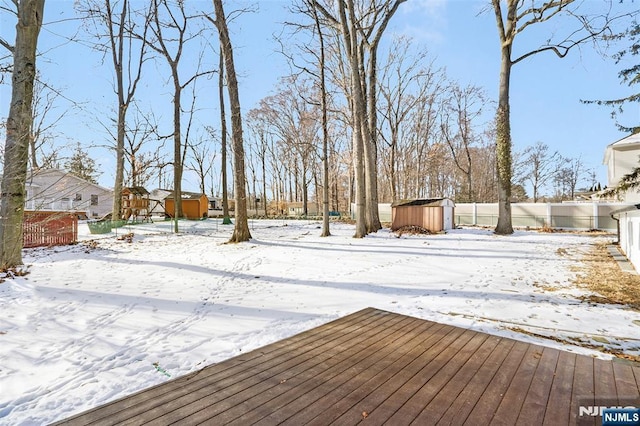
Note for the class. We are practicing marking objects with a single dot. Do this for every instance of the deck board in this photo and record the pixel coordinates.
(466, 401)
(304, 377)
(536, 398)
(383, 368)
(556, 412)
(352, 376)
(456, 383)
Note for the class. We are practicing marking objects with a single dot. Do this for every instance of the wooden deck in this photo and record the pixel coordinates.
(379, 367)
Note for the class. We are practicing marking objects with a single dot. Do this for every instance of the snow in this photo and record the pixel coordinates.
(105, 318)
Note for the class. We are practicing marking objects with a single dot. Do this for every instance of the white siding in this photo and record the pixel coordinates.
(630, 236)
(56, 190)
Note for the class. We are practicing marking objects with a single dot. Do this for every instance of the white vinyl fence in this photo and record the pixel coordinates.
(570, 215)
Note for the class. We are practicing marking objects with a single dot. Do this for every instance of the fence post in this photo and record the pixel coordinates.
(596, 215)
(475, 214)
(549, 223)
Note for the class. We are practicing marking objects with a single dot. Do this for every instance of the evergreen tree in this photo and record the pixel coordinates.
(82, 166)
(629, 76)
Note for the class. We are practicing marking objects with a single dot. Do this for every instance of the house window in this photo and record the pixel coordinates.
(94, 200)
(78, 197)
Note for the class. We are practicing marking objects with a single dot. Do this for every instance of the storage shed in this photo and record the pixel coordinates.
(432, 214)
(194, 205)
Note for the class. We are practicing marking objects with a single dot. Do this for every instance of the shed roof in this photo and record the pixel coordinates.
(187, 196)
(429, 202)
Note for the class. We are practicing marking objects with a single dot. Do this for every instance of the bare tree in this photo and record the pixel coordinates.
(459, 120)
(291, 117)
(141, 163)
(539, 166)
(241, 230)
(18, 132)
(311, 10)
(361, 25)
(567, 177)
(259, 127)
(201, 161)
(114, 25)
(42, 153)
(514, 17)
(170, 27)
(404, 85)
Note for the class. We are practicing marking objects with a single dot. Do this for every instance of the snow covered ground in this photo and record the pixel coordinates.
(103, 319)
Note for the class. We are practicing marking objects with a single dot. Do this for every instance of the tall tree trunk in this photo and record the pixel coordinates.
(325, 131)
(371, 145)
(358, 108)
(241, 231)
(392, 165)
(177, 153)
(226, 219)
(117, 55)
(503, 150)
(305, 194)
(18, 132)
(264, 182)
(116, 212)
(503, 121)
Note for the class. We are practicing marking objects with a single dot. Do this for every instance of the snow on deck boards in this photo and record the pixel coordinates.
(385, 368)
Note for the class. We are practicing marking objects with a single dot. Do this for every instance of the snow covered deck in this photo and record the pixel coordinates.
(387, 368)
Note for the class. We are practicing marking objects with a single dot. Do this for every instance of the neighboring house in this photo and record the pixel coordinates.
(53, 189)
(621, 158)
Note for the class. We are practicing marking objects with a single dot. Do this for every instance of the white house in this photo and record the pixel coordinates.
(53, 189)
(622, 157)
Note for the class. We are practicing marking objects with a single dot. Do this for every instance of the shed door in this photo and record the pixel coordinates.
(448, 218)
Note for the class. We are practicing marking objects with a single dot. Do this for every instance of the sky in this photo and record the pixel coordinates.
(104, 318)
(545, 90)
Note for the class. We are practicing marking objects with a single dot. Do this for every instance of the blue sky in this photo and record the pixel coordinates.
(545, 90)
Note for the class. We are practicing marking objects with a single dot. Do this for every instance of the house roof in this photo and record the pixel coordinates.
(625, 144)
(625, 209)
(61, 174)
(430, 202)
(627, 141)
